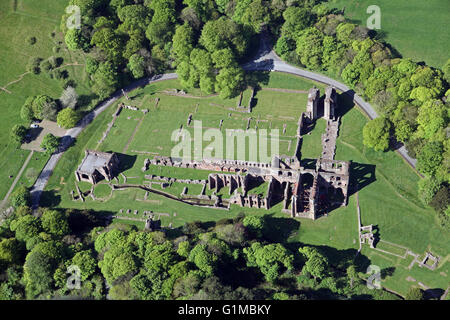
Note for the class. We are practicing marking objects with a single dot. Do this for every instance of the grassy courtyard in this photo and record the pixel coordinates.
(387, 185)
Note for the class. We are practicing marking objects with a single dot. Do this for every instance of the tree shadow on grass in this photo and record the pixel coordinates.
(85, 100)
(280, 229)
(49, 199)
(432, 294)
(257, 78)
(387, 272)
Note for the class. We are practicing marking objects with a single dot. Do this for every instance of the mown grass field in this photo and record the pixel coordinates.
(387, 195)
(417, 29)
(20, 20)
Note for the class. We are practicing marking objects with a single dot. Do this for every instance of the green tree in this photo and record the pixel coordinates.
(310, 48)
(428, 187)
(50, 110)
(183, 249)
(18, 133)
(75, 40)
(20, 197)
(430, 158)
(55, 223)
(204, 260)
(441, 200)
(270, 259)
(203, 8)
(183, 43)
(296, 19)
(161, 28)
(432, 119)
(316, 263)
(49, 143)
(255, 224)
(11, 252)
(229, 82)
(67, 118)
(136, 65)
(446, 70)
(38, 274)
(91, 65)
(224, 33)
(42, 104)
(26, 228)
(86, 262)
(256, 15)
(26, 112)
(352, 274)
(105, 80)
(117, 262)
(376, 134)
(110, 42)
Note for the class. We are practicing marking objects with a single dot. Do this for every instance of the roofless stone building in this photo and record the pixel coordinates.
(304, 192)
(97, 166)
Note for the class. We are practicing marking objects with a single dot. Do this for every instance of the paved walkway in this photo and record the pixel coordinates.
(2, 204)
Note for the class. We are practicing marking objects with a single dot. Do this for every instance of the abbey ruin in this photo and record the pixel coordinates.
(304, 192)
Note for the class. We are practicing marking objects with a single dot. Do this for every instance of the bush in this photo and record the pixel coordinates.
(440, 200)
(67, 118)
(46, 66)
(18, 133)
(414, 146)
(69, 83)
(33, 65)
(430, 158)
(69, 98)
(55, 61)
(428, 188)
(414, 294)
(60, 74)
(26, 112)
(21, 197)
(376, 134)
(50, 143)
(32, 40)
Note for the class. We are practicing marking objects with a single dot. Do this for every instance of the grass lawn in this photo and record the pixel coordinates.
(19, 20)
(33, 169)
(387, 195)
(416, 29)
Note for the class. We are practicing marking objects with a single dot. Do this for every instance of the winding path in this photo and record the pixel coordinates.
(265, 60)
(3, 202)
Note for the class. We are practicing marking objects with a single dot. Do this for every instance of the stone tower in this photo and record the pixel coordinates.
(330, 104)
(313, 99)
